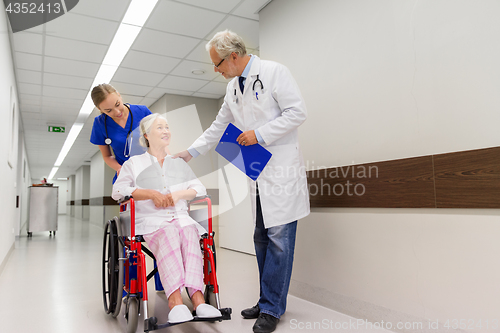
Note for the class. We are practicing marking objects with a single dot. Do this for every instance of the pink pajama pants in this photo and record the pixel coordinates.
(178, 257)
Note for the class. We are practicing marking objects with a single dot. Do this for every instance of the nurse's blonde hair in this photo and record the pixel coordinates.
(101, 92)
(145, 127)
(226, 42)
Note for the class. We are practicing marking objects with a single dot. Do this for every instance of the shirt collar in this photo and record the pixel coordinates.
(248, 66)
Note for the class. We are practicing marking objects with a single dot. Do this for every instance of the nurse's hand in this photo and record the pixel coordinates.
(185, 155)
(247, 138)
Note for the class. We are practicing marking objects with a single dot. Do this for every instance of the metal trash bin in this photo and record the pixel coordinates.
(43, 210)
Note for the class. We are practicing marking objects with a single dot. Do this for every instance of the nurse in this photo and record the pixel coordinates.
(114, 126)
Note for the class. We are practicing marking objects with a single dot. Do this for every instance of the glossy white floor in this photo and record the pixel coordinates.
(53, 284)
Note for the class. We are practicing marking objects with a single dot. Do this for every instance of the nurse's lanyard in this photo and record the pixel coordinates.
(108, 140)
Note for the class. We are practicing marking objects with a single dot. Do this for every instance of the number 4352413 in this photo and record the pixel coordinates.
(33, 8)
(471, 324)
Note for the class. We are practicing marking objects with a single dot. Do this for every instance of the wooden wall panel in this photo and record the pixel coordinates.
(391, 184)
(469, 179)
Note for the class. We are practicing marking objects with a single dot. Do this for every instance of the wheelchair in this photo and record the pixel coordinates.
(124, 267)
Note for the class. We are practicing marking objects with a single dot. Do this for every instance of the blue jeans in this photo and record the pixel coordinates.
(274, 248)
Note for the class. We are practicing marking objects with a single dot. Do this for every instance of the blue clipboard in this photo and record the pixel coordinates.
(249, 159)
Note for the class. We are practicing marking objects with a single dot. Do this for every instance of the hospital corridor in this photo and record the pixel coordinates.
(53, 284)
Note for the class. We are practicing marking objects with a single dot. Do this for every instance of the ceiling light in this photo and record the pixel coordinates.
(198, 71)
(137, 14)
(123, 40)
(87, 107)
(53, 172)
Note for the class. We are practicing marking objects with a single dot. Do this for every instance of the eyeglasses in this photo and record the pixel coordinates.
(217, 66)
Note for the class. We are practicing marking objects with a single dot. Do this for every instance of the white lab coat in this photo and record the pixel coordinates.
(276, 114)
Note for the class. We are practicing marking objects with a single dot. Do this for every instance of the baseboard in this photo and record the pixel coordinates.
(366, 311)
(4, 261)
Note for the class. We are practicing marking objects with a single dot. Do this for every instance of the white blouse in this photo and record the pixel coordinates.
(144, 172)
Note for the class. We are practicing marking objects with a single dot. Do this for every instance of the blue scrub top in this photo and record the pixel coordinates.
(117, 134)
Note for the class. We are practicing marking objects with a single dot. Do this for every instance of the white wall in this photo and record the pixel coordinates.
(423, 71)
(23, 183)
(9, 149)
(386, 80)
(101, 178)
(97, 173)
(70, 209)
(82, 191)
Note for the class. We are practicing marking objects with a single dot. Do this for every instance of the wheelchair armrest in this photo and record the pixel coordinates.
(124, 199)
(199, 199)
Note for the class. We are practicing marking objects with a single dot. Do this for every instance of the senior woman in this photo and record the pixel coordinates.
(161, 187)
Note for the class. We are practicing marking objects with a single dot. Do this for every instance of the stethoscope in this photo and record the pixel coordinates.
(253, 89)
(108, 140)
(261, 86)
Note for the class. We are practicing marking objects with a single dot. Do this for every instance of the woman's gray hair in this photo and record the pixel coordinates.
(226, 42)
(145, 127)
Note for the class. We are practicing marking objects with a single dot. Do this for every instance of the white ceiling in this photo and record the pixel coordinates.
(55, 64)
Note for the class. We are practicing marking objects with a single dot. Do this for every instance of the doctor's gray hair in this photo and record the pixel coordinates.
(145, 127)
(226, 42)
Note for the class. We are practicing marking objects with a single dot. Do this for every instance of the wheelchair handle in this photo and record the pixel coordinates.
(127, 198)
(197, 200)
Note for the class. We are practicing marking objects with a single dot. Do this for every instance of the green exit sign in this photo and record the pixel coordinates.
(57, 129)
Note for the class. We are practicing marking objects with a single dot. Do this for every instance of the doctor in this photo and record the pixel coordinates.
(264, 101)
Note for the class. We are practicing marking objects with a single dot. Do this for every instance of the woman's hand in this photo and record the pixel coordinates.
(184, 195)
(169, 200)
(175, 197)
(172, 199)
(161, 200)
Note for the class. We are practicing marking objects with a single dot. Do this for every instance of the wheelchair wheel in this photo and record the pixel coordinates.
(112, 269)
(132, 315)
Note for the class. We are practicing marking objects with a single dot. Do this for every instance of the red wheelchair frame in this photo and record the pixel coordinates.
(118, 241)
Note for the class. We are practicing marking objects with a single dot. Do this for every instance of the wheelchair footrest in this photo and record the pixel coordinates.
(226, 313)
(151, 324)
